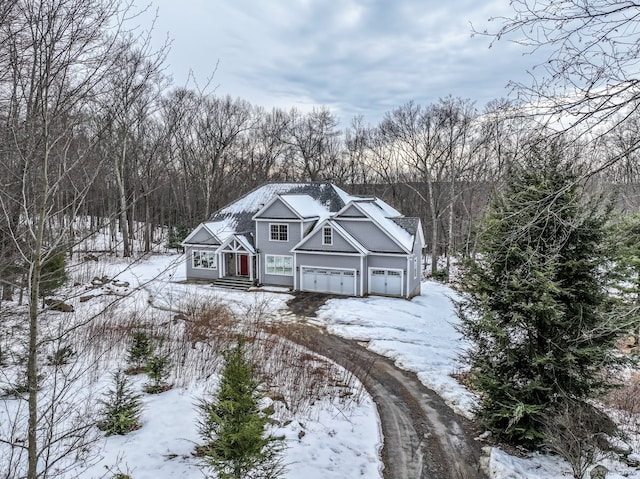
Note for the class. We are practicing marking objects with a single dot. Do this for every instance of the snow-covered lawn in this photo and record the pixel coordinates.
(330, 439)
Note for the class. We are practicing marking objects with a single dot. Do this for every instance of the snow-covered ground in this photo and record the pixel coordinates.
(329, 440)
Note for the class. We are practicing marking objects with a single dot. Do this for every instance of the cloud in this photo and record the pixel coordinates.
(355, 56)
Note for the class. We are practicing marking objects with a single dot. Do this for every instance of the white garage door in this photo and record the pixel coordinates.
(385, 281)
(336, 281)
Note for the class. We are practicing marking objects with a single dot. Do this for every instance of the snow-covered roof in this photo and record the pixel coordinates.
(222, 229)
(305, 206)
(242, 210)
(389, 211)
(310, 201)
(380, 215)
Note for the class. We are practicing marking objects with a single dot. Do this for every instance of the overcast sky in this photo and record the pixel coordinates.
(354, 56)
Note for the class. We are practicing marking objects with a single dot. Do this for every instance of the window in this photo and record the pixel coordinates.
(282, 265)
(278, 232)
(205, 259)
(327, 235)
(415, 267)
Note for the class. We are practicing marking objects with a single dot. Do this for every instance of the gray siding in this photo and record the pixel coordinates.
(273, 279)
(199, 273)
(352, 211)
(370, 236)
(314, 243)
(414, 284)
(307, 226)
(328, 261)
(278, 210)
(266, 246)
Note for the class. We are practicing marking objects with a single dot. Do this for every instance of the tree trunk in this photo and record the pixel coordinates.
(434, 228)
(7, 292)
(147, 225)
(124, 225)
(450, 239)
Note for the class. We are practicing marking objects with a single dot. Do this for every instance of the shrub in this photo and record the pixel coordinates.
(579, 433)
(61, 356)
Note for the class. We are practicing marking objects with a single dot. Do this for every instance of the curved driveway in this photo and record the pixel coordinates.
(423, 437)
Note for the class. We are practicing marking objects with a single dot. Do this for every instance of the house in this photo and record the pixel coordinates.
(310, 237)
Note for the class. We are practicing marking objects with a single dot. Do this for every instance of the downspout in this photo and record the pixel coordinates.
(362, 275)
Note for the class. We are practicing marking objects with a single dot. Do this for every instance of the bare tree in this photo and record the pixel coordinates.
(411, 133)
(315, 138)
(60, 53)
(356, 146)
(135, 86)
(592, 47)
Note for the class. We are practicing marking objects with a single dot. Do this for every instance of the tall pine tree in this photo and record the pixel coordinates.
(623, 247)
(533, 301)
(233, 427)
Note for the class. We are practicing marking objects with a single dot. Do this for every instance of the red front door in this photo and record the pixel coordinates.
(244, 265)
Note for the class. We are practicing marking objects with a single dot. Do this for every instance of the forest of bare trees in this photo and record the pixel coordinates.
(91, 127)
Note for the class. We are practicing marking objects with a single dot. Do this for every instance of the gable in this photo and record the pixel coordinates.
(201, 235)
(339, 243)
(342, 241)
(351, 212)
(277, 209)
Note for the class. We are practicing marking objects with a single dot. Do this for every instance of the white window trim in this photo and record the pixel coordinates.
(324, 243)
(193, 259)
(279, 225)
(275, 256)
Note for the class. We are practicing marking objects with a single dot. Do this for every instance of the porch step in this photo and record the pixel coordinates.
(239, 283)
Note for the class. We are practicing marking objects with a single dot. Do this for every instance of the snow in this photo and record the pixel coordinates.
(331, 439)
(389, 211)
(419, 335)
(305, 206)
(222, 229)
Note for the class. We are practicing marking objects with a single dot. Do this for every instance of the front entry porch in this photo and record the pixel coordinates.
(239, 264)
(238, 259)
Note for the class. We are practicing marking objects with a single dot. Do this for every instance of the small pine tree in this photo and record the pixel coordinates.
(53, 273)
(140, 349)
(233, 428)
(158, 371)
(121, 408)
(177, 235)
(533, 302)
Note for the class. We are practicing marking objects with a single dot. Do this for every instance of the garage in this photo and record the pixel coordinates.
(325, 280)
(385, 281)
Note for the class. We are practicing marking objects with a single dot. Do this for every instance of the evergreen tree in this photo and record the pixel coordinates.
(623, 247)
(533, 301)
(121, 408)
(158, 371)
(139, 351)
(53, 273)
(233, 427)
